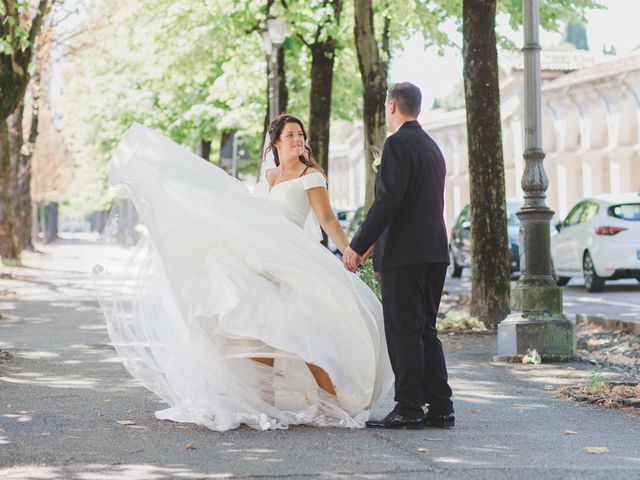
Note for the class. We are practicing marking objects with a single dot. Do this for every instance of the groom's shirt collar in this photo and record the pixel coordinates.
(410, 124)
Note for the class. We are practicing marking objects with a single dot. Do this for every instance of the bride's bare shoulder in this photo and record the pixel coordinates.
(311, 170)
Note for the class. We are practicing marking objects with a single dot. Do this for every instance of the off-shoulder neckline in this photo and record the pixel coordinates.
(271, 187)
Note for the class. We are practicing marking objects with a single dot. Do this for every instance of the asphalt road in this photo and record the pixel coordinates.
(620, 299)
(64, 391)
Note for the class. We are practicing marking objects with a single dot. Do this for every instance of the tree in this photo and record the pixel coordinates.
(394, 23)
(325, 22)
(159, 70)
(19, 28)
(489, 248)
(490, 269)
(373, 59)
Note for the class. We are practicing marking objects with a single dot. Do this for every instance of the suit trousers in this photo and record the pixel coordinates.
(410, 301)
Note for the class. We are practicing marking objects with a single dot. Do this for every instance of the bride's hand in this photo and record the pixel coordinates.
(351, 259)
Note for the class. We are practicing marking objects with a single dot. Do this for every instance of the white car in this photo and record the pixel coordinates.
(599, 239)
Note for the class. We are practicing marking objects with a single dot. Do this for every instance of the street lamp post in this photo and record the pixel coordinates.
(272, 38)
(536, 321)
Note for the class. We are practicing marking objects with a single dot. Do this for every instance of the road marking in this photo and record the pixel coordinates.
(607, 302)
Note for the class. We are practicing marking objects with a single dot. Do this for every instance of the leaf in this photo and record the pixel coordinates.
(126, 422)
(570, 432)
(190, 446)
(422, 450)
(596, 449)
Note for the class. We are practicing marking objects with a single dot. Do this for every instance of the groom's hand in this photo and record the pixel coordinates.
(351, 259)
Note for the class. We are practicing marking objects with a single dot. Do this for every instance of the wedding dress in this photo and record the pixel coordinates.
(222, 277)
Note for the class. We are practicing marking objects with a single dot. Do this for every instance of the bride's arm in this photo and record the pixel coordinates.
(319, 199)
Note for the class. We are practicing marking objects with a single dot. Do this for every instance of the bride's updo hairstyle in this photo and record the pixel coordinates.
(274, 131)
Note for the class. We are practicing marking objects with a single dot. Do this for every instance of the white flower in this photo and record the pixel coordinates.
(376, 163)
(377, 158)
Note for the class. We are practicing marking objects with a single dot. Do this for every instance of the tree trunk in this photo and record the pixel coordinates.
(283, 91)
(51, 226)
(8, 248)
(489, 248)
(24, 214)
(322, 62)
(374, 66)
(14, 67)
(42, 222)
(205, 149)
(14, 78)
(322, 55)
(15, 147)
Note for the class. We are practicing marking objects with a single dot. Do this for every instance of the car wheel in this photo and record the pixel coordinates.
(562, 281)
(454, 269)
(592, 282)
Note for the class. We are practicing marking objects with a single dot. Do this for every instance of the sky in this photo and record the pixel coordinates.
(436, 75)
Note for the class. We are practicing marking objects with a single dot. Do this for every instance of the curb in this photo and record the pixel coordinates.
(611, 323)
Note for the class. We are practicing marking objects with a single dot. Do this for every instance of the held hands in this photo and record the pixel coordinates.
(351, 259)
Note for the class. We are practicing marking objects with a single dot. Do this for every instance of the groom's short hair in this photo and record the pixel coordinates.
(408, 98)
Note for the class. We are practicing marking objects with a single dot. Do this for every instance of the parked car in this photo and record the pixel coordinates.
(599, 240)
(460, 241)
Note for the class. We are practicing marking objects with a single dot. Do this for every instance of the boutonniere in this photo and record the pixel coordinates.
(377, 159)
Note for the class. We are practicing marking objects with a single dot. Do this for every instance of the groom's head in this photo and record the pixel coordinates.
(403, 104)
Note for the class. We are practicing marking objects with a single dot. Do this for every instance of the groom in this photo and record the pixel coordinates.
(407, 226)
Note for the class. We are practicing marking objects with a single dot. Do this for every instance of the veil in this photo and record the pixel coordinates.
(311, 224)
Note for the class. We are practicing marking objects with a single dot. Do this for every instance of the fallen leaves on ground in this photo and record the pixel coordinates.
(126, 422)
(190, 446)
(570, 432)
(423, 450)
(596, 449)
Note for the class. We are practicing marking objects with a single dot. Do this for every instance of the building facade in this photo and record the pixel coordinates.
(591, 133)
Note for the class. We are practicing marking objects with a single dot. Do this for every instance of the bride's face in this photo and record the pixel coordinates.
(290, 144)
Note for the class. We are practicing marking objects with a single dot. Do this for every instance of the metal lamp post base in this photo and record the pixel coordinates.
(537, 320)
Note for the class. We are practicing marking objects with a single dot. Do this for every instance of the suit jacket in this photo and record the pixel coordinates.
(406, 219)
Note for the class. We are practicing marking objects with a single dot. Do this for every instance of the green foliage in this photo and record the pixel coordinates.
(368, 276)
(194, 70)
(460, 321)
(596, 381)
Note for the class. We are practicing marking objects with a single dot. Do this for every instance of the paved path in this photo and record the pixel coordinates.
(63, 392)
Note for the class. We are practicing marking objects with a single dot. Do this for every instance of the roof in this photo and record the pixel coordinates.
(606, 67)
(550, 60)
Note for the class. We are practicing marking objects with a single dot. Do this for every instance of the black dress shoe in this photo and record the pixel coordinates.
(446, 420)
(395, 420)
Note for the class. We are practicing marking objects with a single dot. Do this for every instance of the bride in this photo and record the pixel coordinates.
(230, 309)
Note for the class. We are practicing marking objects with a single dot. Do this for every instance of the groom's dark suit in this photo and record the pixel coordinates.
(406, 223)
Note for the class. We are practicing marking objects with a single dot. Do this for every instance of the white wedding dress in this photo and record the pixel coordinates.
(221, 277)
